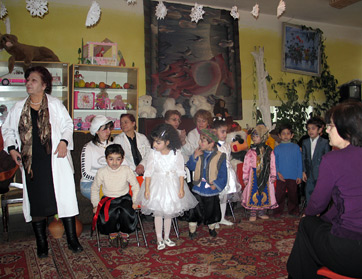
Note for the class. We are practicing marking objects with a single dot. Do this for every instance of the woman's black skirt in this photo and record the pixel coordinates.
(116, 215)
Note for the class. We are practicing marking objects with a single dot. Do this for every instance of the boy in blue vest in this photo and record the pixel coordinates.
(210, 177)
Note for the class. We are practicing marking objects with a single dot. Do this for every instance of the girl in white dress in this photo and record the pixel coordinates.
(163, 193)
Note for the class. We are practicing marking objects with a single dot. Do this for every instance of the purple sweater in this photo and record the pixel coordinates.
(340, 179)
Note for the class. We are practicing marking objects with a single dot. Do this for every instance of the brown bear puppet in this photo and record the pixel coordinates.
(26, 53)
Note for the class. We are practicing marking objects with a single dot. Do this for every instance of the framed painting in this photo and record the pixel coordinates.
(301, 50)
(186, 59)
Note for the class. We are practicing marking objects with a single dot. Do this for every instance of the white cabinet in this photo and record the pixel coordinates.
(88, 98)
(12, 86)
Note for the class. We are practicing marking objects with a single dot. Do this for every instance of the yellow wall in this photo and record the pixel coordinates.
(63, 28)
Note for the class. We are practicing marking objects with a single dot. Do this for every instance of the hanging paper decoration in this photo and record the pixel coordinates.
(37, 7)
(3, 10)
(234, 12)
(281, 8)
(161, 10)
(131, 2)
(94, 14)
(196, 13)
(255, 11)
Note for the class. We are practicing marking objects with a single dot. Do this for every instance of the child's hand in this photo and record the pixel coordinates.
(147, 195)
(140, 169)
(212, 186)
(134, 206)
(94, 210)
(304, 177)
(183, 137)
(281, 177)
(197, 152)
(181, 194)
(298, 181)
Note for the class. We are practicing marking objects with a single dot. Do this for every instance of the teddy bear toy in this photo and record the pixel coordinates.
(145, 108)
(220, 109)
(170, 104)
(118, 103)
(199, 102)
(23, 52)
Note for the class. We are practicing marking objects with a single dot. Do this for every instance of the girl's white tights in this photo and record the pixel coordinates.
(223, 210)
(158, 226)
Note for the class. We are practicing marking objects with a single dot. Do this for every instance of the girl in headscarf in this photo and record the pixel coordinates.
(259, 175)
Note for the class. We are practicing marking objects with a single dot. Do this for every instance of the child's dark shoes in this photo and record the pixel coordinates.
(192, 235)
(212, 233)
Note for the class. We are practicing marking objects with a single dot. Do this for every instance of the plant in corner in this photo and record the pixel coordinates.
(295, 96)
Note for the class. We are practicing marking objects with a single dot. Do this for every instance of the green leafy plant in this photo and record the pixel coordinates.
(296, 96)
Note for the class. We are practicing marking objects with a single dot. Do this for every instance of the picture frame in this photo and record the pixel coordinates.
(84, 100)
(301, 50)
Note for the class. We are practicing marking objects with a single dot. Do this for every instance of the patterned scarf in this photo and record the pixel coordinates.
(26, 132)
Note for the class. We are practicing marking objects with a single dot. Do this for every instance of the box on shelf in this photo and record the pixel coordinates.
(94, 52)
(84, 100)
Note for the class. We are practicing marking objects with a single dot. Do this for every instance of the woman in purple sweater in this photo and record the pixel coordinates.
(334, 240)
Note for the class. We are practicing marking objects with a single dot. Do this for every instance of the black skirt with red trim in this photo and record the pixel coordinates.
(116, 215)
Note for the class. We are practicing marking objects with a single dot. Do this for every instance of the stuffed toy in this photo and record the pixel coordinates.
(118, 103)
(102, 100)
(199, 102)
(170, 104)
(220, 109)
(239, 147)
(26, 53)
(145, 108)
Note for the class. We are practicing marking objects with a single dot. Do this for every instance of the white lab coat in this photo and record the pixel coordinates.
(143, 146)
(62, 168)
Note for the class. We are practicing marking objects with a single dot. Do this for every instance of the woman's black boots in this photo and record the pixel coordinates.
(39, 228)
(70, 231)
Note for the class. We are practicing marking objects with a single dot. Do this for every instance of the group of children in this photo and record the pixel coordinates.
(267, 175)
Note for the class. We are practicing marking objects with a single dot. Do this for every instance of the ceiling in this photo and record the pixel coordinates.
(306, 10)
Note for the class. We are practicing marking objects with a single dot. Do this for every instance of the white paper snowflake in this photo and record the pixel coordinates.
(37, 7)
(161, 10)
(94, 14)
(255, 11)
(234, 12)
(196, 13)
(3, 10)
(281, 8)
(131, 2)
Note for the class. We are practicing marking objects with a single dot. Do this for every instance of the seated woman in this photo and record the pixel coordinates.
(334, 240)
(203, 120)
(135, 145)
(92, 157)
(173, 117)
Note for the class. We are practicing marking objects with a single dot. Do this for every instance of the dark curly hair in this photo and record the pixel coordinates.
(347, 117)
(218, 122)
(166, 132)
(114, 149)
(316, 120)
(45, 76)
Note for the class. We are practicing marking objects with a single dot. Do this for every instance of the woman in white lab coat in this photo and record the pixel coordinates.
(38, 134)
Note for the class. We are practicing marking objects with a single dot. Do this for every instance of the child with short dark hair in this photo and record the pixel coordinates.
(210, 178)
(164, 195)
(232, 190)
(288, 162)
(313, 148)
(115, 212)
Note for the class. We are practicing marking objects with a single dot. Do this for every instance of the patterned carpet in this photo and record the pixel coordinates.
(245, 250)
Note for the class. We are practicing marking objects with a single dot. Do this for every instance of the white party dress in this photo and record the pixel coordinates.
(164, 201)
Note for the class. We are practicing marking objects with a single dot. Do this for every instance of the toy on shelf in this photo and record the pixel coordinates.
(118, 103)
(102, 100)
(95, 53)
(145, 108)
